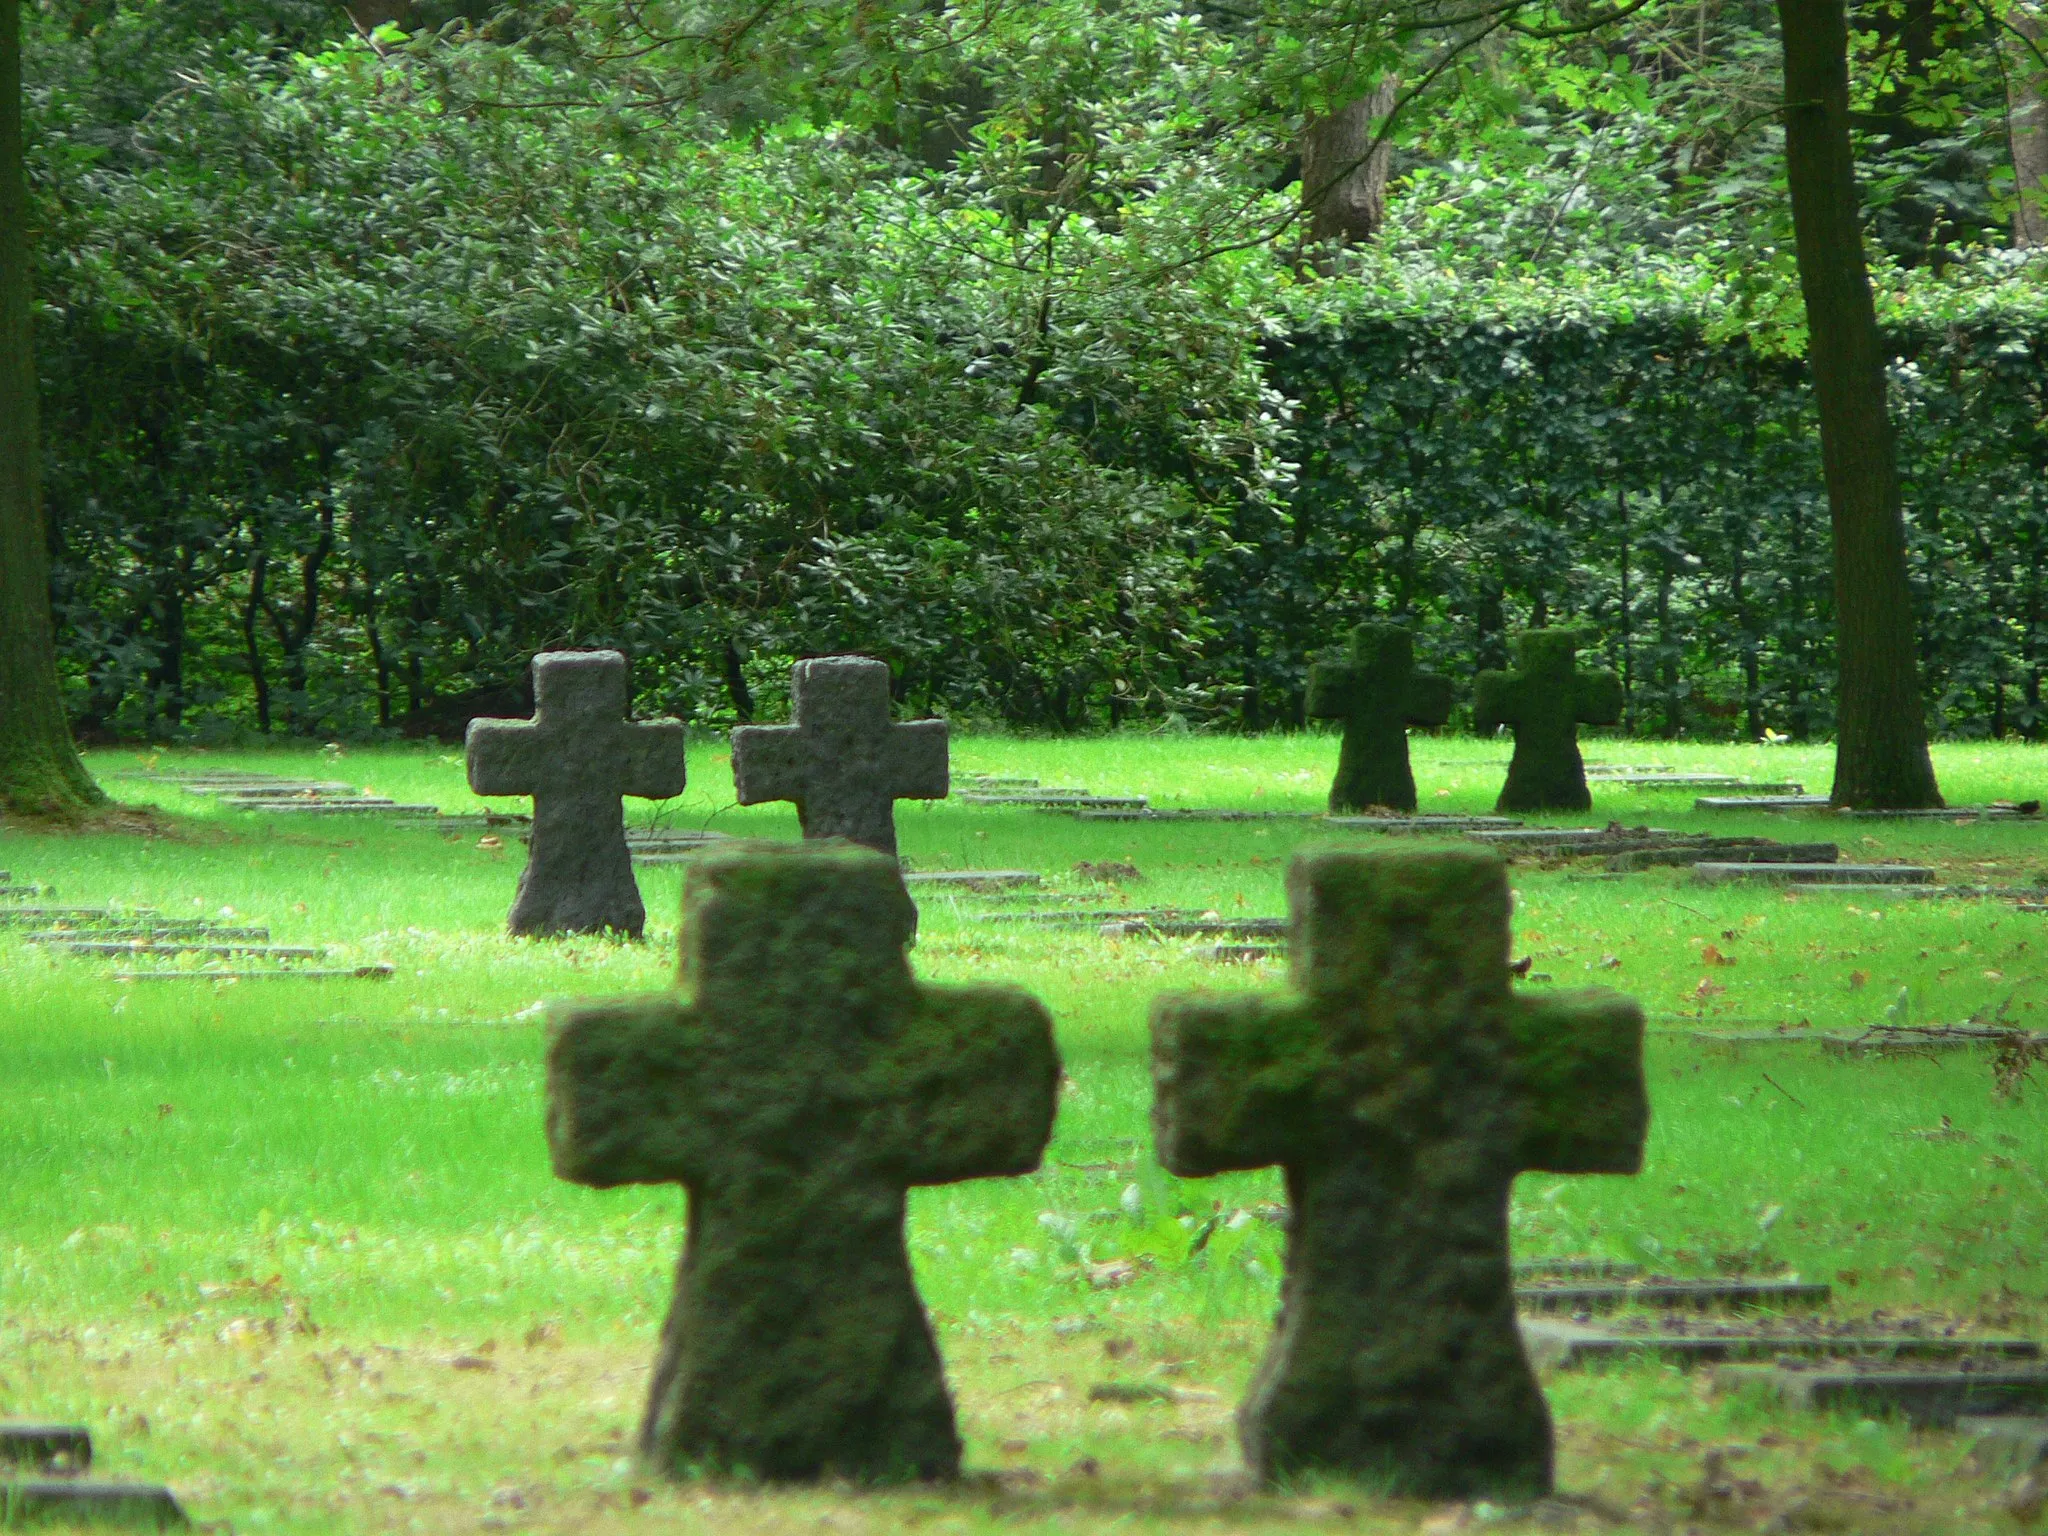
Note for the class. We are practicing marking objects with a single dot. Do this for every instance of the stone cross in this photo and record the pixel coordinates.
(804, 1085)
(577, 756)
(840, 759)
(1401, 1092)
(1377, 692)
(1546, 702)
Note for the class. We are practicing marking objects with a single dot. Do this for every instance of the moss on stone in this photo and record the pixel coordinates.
(1401, 1092)
(1377, 692)
(1545, 701)
(797, 1088)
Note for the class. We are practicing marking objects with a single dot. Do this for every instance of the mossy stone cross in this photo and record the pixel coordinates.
(1546, 701)
(1401, 1094)
(804, 1085)
(577, 757)
(1377, 692)
(839, 758)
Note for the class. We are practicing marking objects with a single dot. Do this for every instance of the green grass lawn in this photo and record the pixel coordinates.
(295, 1247)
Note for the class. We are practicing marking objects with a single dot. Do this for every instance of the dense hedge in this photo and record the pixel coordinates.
(1659, 484)
(352, 403)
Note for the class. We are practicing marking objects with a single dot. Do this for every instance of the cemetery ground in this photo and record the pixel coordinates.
(293, 1246)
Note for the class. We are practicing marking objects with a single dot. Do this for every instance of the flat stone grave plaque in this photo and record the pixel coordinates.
(80, 946)
(1688, 1341)
(1732, 783)
(1057, 802)
(1670, 1294)
(70, 1501)
(19, 917)
(1198, 813)
(973, 879)
(1235, 954)
(63, 1449)
(355, 807)
(1930, 1395)
(477, 821)
(1196, 928)
(269, 789)
(1878, 1039)
(1575, 1269)
(1761, 803)
(1957, 813)
(1725, 851)
(1091, 919)
(283, 973)
(1712, 872)
(1421, 823)
(993, 781)
(151, 932)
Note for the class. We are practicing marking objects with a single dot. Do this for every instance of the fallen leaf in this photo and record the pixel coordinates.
(1712, 955)
(1857, 978)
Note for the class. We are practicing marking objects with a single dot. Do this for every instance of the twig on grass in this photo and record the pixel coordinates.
(1782, 1089)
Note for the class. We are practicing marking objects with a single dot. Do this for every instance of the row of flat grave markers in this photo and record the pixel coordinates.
(809, 1080)
(124, 933)
(45, 1480)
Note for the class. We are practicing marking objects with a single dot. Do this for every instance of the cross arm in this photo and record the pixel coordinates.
(652, 759)
(504, 757)
(1330, 688)
(1429, 699)
(1599, 697)
(620, 1080)
(1586, 1104)
(767, 763)
(970, 1085)
(1496, 701)
(1234, 1082)
(915, 762)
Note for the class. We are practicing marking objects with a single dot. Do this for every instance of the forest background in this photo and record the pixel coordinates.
(1009, 341)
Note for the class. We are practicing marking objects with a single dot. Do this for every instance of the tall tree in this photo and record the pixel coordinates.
(40, 772)
(1344, 168)
(2026, 85)
(1881, 756)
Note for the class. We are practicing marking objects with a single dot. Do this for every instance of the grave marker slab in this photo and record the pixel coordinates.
(283, 973)
(1564, 1346)
(1695, 1295)
(1377, 691)
(1195, 928)
(66, 1501)
(1761, 803)
(1545, 702)
(806, 1084)
(1059, 802)
(578, 756)
(58, 1448)
(1401, 824)
(1401, 1092)
(840, 759)
(1712, 872)
(1927, 1395)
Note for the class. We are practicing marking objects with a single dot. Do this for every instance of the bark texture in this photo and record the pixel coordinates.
(1881, 756)
(2026, 84)
(1343, 174)
(40, 772)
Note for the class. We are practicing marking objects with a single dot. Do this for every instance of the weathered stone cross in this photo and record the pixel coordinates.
(1401, 1094)
(1377, 692)
(840, 759)
(577, 756)
(807, 1084)
(1546, 702)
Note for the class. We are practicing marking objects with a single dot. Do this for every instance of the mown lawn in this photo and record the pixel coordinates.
(295, 1247)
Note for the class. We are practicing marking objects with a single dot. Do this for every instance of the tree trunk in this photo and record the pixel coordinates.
(1343, 174)
(1881, 756)
(2026, 84)
(40, 771)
